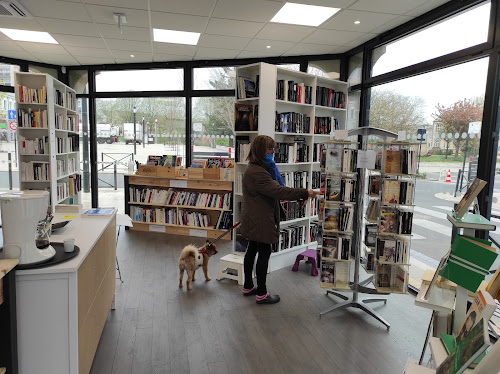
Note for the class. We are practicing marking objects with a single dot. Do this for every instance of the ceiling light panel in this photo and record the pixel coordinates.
(176, 37)
(29, 36)
(305, 15)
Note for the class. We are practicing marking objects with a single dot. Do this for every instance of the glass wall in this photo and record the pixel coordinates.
(213, 127)
(325, 68)
(83, 129)
(159, 130)
(7, 74)
(215, 78)
(355, 69)
(140, 80)
(43, 70)
(449, 111)
(465, 30)
(79, 81)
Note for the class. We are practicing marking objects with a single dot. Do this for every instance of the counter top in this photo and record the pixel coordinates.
(6, 266)
(85, 230)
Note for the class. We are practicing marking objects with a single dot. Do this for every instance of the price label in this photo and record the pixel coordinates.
(401, 136)
(178, 184)
(198, 233)
(366, 159)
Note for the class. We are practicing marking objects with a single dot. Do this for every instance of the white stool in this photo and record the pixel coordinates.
(233, 262)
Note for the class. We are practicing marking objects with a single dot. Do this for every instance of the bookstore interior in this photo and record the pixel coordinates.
(126, 129)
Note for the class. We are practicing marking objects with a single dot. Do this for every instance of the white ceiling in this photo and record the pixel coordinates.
(87, 33)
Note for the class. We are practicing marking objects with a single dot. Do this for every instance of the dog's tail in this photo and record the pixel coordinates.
(192, 254)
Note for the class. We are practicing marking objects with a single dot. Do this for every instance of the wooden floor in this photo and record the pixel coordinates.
(157, 328)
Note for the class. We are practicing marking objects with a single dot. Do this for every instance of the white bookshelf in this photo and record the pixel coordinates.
(268, 105)
(48, 135)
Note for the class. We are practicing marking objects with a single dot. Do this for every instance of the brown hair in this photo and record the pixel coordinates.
(259, 147)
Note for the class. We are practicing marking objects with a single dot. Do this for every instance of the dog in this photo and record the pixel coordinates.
(192, 258)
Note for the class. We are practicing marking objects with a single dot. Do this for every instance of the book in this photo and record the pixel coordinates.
(243, 117)
(383, 275)
(483, 306)
(389, 220)
(332, 218)
(327, 274)
(333, 160)
(329, 249)
(473, 344)
(333, 189)
(469, 261)
(374, 186)
(392, 162)
(468, 198)
(391, 191)
(98, 212)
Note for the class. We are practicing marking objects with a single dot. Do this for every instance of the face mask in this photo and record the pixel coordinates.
(270, 156)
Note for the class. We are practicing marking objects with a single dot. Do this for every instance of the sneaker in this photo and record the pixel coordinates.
(248, 292)
(267, 299)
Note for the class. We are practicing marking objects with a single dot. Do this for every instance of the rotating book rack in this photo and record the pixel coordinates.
(358, 286)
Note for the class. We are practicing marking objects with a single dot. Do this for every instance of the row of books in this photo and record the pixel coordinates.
(289, 237)
(32, 95)
(37, 146)
(65, 167)
(194, 219)
(402, 161)
(339, 218)
(295, 179)
(292, 210)
(394, 221)
(223, 221)
(218, 163)
(291, 91)
(315, 205)
(335, 158)
(246, 117)
(65, 99)
(179, 197)
(32, 118)
(62, 191)
(69, 124)
(326, 96)
(318, 150)
(316, 179)
(393, 250)
(394, 277)
(334, 274)
(74, 184)
(291, 153)
(324, 125)
(292, 122)
(314, 232)
(67, 144)
(154, 215)
(247, 88)
(340, 189)
(165, 160)
(336, 247)
(35, 171)
(398, 192)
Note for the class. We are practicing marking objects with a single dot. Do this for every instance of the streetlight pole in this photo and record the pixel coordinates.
(143, 132)
(135, 133)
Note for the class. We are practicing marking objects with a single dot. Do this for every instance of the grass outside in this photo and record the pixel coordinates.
(442, 158)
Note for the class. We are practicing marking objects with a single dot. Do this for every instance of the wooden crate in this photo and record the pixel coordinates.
(169, 172)
(195, 173)
(183, 173)
(147, 170)
(211, 173)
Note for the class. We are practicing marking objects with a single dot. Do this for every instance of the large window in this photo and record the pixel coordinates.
(355, 69)
(216, 78)
(7, 74)
(325, 68)
(140, 80)
(79, 81)
(453, 34)
(43, 70)
(450, 100)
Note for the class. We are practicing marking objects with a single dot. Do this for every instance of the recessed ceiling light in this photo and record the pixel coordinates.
(177, 37)
(357, 22)
(306, 15)
(132, 56)
(29, 36)
(268, 46)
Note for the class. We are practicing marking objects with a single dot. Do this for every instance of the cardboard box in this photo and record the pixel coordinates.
(169, 172)
(211, 173)
(195, 173)
(226, 174)
(147, 170)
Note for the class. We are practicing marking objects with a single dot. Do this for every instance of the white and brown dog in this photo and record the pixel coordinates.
(192, 258)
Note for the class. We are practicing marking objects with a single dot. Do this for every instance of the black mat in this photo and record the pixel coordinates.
(59, 258)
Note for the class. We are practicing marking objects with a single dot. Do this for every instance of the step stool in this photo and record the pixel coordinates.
(310, 255)
(231, 262)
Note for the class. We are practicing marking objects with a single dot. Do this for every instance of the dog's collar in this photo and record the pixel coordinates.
(202, 250)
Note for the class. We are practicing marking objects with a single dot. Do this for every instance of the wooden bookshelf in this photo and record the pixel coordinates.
(178, 184)
(48, 135)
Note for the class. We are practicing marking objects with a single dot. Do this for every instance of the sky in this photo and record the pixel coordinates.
(444, 86)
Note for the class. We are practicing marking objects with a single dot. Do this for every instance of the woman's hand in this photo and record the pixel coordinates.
(313, 193)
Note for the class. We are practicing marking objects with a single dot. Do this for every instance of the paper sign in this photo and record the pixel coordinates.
(199, 233)
(69, 217)
(366, 159)
(157, 228)
(401, 136)
(340, 134)
(178, 184)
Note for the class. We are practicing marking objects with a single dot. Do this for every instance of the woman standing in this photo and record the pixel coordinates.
(263, 189)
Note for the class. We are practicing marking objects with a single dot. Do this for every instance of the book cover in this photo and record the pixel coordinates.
(329, 248)
(391, 192)
(228, 163)
(473, 344)
(392, 162)
(98, 212)
(332, 217)
(214, 163)
(469, 261)
(387, 252)
(483, 306)
(327, 274)
(468, 198)
(383, 273)
(243, 117)
(333, 187)
(198, 163)
(389, 220)
(374, 186)
(333, 161)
